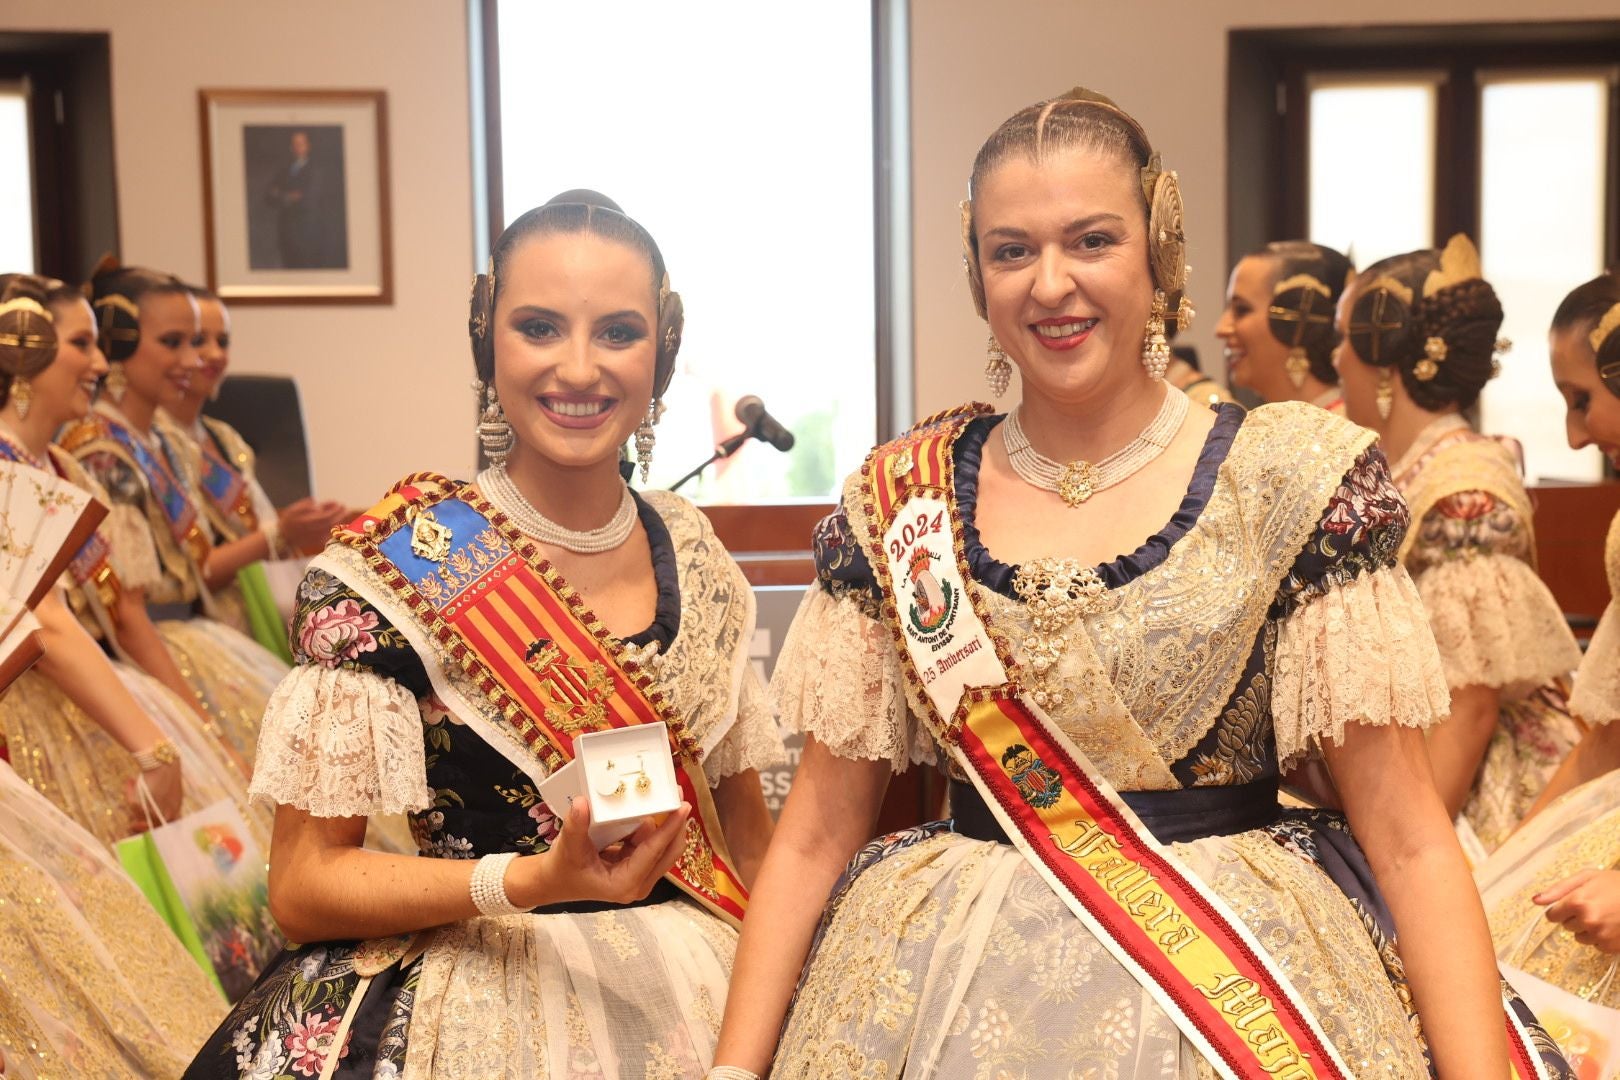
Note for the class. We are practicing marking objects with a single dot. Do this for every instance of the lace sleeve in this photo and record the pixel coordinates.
(1496, 623)
(753, 741)
(1597, 683)
(1359, 653)
(838, 678)
(337, 742)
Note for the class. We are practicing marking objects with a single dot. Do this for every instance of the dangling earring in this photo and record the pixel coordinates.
(494, 433)
(1386, 394)
(1298, 366)
(22, 395)
(117, 382)
(1155, 349)
(997, 368)
(645, 438)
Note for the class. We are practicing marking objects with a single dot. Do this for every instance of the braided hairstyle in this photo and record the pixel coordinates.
(1594, 308)
(572, 212)
(115, 293)
(1084, 120)
(28, 338)
(1296, 301)
(1429, 315)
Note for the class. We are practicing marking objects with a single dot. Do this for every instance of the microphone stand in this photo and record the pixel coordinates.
(721, 452)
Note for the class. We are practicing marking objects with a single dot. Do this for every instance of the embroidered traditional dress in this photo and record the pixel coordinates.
(367, 723)
(64, 754)
(162, 545)
(1265, 617)
(218, 467)
(92, 983)
(1579, 831)
(1472, 552)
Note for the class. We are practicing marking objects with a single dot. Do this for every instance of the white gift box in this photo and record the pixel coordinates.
(608, 769)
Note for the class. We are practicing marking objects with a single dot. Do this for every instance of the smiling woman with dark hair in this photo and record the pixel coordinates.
(450, 644)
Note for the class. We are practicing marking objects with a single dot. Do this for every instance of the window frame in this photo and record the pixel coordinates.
(1268, 103)
(770, 540)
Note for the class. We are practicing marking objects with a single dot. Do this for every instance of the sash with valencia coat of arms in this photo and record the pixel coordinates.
(480, 601)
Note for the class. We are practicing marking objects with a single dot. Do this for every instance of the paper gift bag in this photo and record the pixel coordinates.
(1587, 1033)
(207, 878)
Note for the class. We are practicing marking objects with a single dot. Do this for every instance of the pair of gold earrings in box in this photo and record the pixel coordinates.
(643, 781)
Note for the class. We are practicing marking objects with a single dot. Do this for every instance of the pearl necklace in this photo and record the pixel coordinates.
(1080, 480)
(496, 484)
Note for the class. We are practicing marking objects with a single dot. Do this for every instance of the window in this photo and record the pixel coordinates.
(1385, 139)
(755, 168)
(16, 181)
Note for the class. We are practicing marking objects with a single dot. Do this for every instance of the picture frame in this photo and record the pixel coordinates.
(296, 196)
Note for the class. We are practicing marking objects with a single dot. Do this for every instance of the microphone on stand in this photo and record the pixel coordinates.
(757, 424)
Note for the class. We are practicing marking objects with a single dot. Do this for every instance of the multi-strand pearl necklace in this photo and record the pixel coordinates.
(495, 483)
(1078, 481)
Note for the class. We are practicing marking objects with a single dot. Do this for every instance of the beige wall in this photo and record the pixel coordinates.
(974, 63)
(365, 371)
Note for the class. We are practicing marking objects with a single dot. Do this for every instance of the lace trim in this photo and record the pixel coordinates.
(129, 547)
(1496, 624)
(1597, 684)
(341, 743)
(1359, 654)
(753, 742)
(838, 678)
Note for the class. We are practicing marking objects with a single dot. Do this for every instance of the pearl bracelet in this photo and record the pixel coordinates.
(488, 885)
(156, 756)
(730, 1072)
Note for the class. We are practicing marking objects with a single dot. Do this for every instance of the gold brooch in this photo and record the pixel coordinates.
(903, 463)
(1077, 482)
(1434, 353)
(429, 539)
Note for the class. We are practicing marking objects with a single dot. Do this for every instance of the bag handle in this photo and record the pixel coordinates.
(149, 805)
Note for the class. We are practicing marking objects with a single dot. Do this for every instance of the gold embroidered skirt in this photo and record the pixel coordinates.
(92, 983)
(1580, 831)
(68, 758)
(1532, 736)
(947, 957)
(231, 673)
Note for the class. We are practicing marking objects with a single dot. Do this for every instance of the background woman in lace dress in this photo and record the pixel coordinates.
(599, 967)
(1420, 345)
(1278, 322)
(1552, 890)
(149, 330)
(1258, 617)
(79, 726)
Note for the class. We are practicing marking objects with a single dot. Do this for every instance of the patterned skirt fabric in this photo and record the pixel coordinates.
(70, 760)
(629, 992)
(1533, 735)
(232, 674)
(946, 957)
(1580, 831)
(92, 983)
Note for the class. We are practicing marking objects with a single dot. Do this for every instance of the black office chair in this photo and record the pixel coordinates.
(267, 411)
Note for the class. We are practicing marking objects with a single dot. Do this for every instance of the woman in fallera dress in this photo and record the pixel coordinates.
(1114, 723)
(1420, 344)
(219, 467)
(1552, 891)
(450, 642)
(1278, 322)
(149, 329)
(80, 726)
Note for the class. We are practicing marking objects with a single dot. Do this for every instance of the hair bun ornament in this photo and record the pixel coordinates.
(671, 326)
(27, 336)
(1381, 323)
(1166, 227)
(1459, 262)
(970, 261)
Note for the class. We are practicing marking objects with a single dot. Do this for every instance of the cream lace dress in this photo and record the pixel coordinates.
(92, 983)
(1580, 831)
(1265, 618)
(1472, 553)
(594, 991)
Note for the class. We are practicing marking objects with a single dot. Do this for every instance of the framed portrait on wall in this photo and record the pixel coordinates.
(295, 196)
